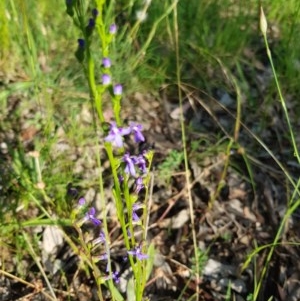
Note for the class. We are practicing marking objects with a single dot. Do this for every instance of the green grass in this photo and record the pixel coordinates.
(170, 165)
(219, 48)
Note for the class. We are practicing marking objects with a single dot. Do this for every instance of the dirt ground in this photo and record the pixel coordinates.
(234, 211)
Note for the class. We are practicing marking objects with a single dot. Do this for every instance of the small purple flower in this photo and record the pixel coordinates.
(114, 276)
(121, 179)
(100, 257)
(115, 135)
(118, 89)
(95, 12)
(90, 215)
(81, 202)
(129, 162)
(106, 63)
(100, 239)
(81, 43)
(138, 253)
(136, 130)
(141, 163)
(113, 29)
(106, 80)
(135, 208)
(139, 185)
(91, 23)
(135, 217)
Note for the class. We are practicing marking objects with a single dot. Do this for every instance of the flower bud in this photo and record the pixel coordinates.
(113, 29)
(118, 89)
(263, 22)
(106, 63)
(106, 80)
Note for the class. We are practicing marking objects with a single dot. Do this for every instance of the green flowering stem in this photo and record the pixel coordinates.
(95, 96)
(117, 109)
(263, 28)
(84, 253)
(101, 28)
(135, 175)
(117, 191)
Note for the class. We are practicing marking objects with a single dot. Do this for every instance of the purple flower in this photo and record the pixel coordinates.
(106, 62)
(90, 216)
(135, 208)
(129, 164)
(106, 80)
(141, 163)
(100, 257)
(121, 179)
(114, 276)
(139, 185)
(113, 29)
(138, 253)
(91, 23)
(118, 89)
(81, 202)
(81, 43)
(100, 239)
(136, 130)
(95, 12)
(115, 135)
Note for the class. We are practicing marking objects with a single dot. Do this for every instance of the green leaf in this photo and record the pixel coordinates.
(130, 290)
(115, 293)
